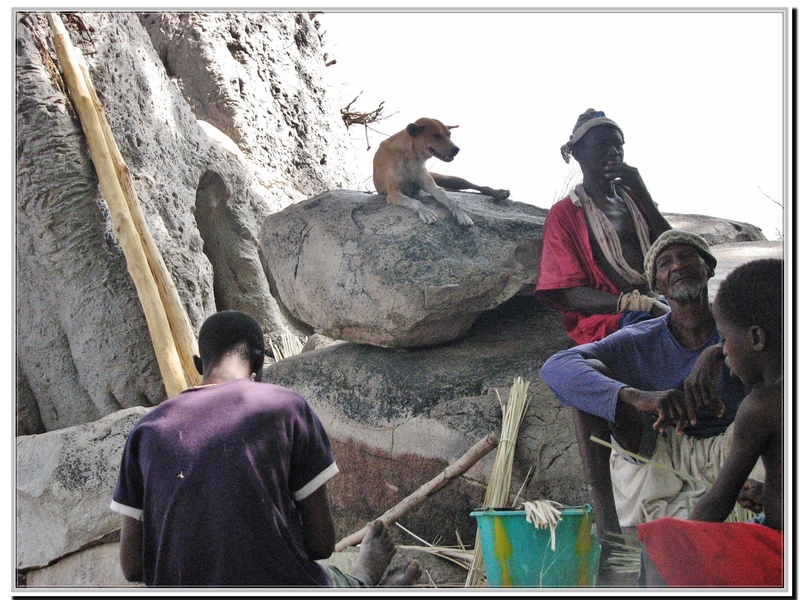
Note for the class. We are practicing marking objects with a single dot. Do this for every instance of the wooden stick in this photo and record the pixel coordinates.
(181, 328)
(462, 465)
(138, 267)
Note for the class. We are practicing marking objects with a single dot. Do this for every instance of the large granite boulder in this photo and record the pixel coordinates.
(352, 267)
(94, 567)
(65, 480)
(399, 416)
(715, 230)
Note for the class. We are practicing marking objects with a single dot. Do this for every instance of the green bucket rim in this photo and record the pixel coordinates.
(507, 511)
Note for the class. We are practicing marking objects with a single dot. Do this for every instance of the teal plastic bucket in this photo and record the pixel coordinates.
(517, 554)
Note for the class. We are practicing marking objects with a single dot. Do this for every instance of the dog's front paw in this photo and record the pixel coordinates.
(464, 220)
(426, 214)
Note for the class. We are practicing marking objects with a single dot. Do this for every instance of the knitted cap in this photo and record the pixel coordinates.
(670, 238)
(589, 119)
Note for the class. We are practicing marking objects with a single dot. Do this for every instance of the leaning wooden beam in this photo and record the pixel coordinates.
(179, 323)
(163, 344)
(462, 465)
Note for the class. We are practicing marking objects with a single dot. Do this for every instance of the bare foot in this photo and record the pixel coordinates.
(399, 577)
(377, 550)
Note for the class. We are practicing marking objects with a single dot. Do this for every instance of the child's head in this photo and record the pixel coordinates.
(230, 331)
(748, 310)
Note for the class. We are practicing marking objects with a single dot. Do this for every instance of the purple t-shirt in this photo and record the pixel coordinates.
(213, 474)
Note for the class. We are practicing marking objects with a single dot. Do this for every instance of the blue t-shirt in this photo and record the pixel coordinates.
(214, 474)
(645, 356)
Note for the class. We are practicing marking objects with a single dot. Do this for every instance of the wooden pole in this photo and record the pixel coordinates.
(462, 465)
(181, 328)
(163, 344)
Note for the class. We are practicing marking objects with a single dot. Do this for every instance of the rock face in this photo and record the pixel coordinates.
(399, 417)
(97, 566)
(354, 268)
(257, 77)
(83, 348)
(65, 480)
(714, 230)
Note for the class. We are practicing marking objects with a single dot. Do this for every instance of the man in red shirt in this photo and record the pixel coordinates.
(594, 241)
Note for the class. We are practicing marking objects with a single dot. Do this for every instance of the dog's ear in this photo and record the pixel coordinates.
(414, 130)
(451, 126)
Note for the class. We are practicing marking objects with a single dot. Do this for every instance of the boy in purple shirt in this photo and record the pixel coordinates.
(225, 484)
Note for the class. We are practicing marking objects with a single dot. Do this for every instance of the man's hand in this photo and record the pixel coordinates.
(669, 405)
(750, 496)
(628, 177)
(659, 308)
(701, 384)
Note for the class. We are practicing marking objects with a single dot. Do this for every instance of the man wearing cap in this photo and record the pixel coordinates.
(594, 241)
(630, 385)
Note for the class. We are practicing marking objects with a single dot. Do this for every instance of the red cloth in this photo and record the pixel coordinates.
(700, 554)
(567, 262)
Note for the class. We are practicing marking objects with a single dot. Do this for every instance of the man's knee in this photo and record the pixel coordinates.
(599, 366)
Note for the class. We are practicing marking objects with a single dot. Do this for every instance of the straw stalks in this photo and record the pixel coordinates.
(543, 513)
(500, 479)
(290, 345)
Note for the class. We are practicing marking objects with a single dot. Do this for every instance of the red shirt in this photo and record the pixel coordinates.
(567, 262)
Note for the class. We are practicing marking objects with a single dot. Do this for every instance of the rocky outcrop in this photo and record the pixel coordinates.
(400, 416)
(714, 230)
(65, 480)
(257, 77)
(97, 566)
(82, 344)
(354, 268)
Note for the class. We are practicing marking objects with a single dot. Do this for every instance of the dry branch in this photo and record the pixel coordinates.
(460, 466)
(127, 232)
(179, 324)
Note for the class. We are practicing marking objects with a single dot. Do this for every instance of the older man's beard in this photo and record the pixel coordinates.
(689, 292)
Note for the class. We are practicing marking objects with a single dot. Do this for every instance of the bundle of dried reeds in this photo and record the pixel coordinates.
(290, 345)
(500, 479)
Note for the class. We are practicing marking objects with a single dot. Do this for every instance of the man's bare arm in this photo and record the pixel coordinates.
(130, 549)
(591, 301)
(318, 530)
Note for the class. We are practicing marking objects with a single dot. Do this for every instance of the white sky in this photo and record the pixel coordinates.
(699, 96)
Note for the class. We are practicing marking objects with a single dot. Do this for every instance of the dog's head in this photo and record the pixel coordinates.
(432, 137)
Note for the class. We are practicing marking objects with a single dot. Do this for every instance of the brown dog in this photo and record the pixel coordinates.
(398, 169)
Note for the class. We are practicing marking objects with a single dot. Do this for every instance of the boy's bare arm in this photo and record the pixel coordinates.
(753, 429)
(130, 549)
(318, 530)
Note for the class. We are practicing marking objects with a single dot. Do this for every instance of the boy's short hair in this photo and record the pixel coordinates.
(752, 294)
(231, 331)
